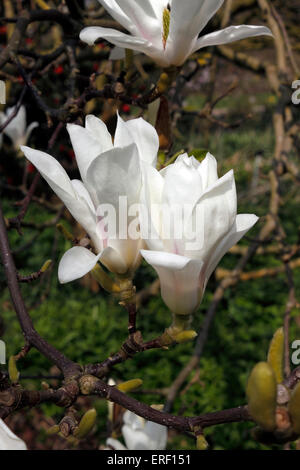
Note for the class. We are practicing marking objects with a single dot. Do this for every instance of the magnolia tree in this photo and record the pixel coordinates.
(137, 200)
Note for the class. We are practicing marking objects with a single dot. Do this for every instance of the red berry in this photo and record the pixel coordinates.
(126, 108)
(71, 154)
(59, 70)
(30, 168)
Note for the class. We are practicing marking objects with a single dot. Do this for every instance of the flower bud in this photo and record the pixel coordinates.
(104, 280)
(185, 336)
(65, 233)
(261, 393)
(13, 372)
(86, 424)
(130, 385)
(157, 407)
(202, 443)
(53, 430)
(275, 354)
(46, 265)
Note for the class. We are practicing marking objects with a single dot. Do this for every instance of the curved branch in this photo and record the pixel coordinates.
(67, 367)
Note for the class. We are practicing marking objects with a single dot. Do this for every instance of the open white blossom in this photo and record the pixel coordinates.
(166, 30)
(108, 171)
(8, 440)
(189, 195)
(17, 130)
(140, 434)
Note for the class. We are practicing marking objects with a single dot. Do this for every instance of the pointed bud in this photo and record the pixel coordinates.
(275, 354)
(66, 234)
(46, 265)
(53, 430)
(294, 408)
(13, 372)
(202, 443)
(157, 407)
(86, 424)
(185, 336)
(104, 280)
(261, 393)
(130, 385)
(163, 82)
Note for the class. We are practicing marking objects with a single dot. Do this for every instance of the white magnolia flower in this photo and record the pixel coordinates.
(166, 30)
(17, 129)
(8, 440)
(189, 195)
(108, 171)
(140, 434)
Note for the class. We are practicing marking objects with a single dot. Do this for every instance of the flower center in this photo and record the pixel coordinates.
(166, 24)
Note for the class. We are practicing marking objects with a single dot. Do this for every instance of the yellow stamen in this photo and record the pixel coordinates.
(166, 25)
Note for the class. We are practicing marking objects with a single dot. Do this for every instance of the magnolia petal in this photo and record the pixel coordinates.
(114, 174)
(150, 211)
(92, 33)
(179, 279)
(186, 24)
(134, 421)
(135, 439)
(86, 147)
(61, 184)
(231, 34)
(82, 192)
(99, 130)
(208, 171)
(128, 253)
(30, 128)
(8, 440)
(144, 18)
(178, 201)
(115, 444)
(140, 434)
(213, 215)
(15, 130)
(243, 223)
(112, 260)
(157, 434)
(51, 170)
(143, 134)
(118, 14)
(179, 179)
(191, 20)
(139, 440)
(123, 136)
(76, 263)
